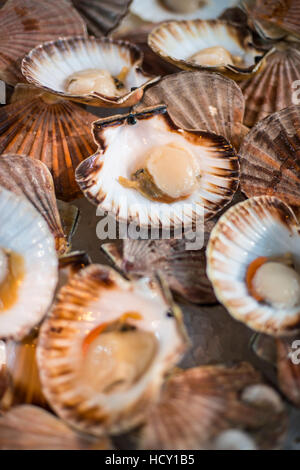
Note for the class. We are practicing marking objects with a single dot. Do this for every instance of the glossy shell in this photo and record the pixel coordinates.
(98, 175)
(26, 23)
(48, 67)
(177, 41)
(260, 226)
(27, 234)
(93, 297)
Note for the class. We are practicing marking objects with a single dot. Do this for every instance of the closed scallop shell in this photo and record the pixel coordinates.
(273, 88)
(201, 101)
(26, 23)
(177, 41)
(288, 368)
(270, 157)
(49, 65)
(53, 131)
(260, 226)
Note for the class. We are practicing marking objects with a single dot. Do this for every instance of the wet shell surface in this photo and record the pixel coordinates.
(26, 23)
(273, 88)
(27, 124)
(259, 227)
(178, 41)
(50, 66)
(215, 407)
(201, 101)
(32, 428)
(27, 247)
(270, 157)
(110, 394)
(27, 177)
(98, 176)
(288, 367)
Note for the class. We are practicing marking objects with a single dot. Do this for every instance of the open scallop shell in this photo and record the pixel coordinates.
(54, 131)
(49, 65)
(270, 157)
(201, 101)
(273, 88)
(27, 234)
(95, 297)
(31, 428)
(260, 226)
(177, 41)
(288, 366)
(27, 177)
(98, 175)
(26, 23)
(202, 406)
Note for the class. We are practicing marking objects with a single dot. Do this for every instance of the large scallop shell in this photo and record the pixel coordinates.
(49, 65)
(201, 101)
(32, 179)
(288, 365)
(26, 23)
(273, 88)
(95, 297)
(177, 41)
(213, 407)
(260, 226)
(98, 175)
(54, 131)
(28, 235)
(270, 157)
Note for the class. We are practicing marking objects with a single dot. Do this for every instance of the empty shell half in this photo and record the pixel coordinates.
(105, 348)
(150, 172)
(213, 45)
(28, 266)
(99, 72)
(254, 264)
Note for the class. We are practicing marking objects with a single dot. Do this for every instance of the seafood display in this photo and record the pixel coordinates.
(149, 225)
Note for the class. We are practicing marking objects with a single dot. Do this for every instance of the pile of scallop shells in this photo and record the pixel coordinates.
(153, 115)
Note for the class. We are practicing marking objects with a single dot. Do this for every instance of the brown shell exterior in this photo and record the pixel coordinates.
(272, 89)
(288, 371)
(270, 158)
(282, 13)
(57, 133)
(32, 179)
(196, 405)
(201, 101)
(27, 23)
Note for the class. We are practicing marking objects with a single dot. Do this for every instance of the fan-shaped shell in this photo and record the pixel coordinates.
(92, 298)
(98, 176)
(32, 179)
(288, 366)
(49, 65)
(177, 41)
(201, 101)
(28, 235)
(53, 131)
(273, 88)
(26, 23)
(199, 405)
(260, 226)
(270, 157)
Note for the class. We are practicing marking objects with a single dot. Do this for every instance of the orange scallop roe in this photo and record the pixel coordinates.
(251, 271)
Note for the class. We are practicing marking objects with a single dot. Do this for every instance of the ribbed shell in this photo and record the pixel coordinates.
(270, 159)
(26, 23)
(260, 226)
(273, 88)
(288, 366)
(98, 175)
(27, 234)
(176, 41)
(31, 428)
(201, 101)
(49, 65)
(102, 16)
(31, 178)
(199, 404)
(57, 133)
(95, 296)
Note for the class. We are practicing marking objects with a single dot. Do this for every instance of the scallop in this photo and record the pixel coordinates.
(253, 263)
